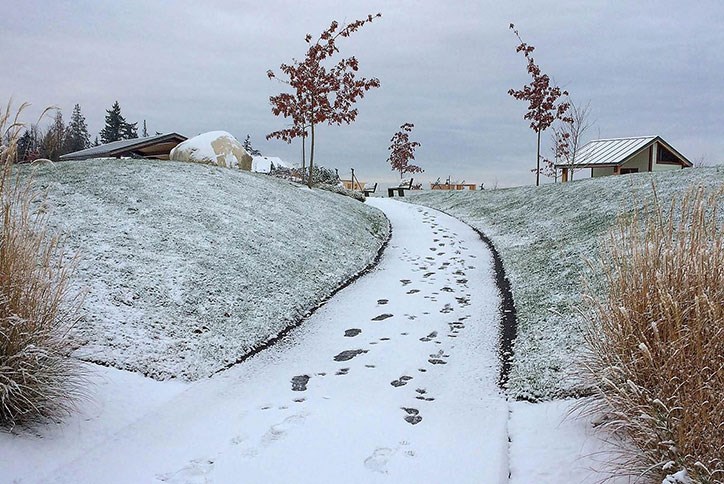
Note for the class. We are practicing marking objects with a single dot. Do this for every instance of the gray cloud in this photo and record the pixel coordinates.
(647, 68)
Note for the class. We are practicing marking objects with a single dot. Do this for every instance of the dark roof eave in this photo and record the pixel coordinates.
(114, 153)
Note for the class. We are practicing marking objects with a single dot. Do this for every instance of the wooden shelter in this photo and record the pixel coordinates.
(156, 147)
(619, 156)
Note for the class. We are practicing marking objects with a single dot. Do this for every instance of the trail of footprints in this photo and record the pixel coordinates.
(454, 270)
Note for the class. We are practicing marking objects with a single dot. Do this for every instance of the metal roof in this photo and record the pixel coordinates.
(120, 147)
(612, 151)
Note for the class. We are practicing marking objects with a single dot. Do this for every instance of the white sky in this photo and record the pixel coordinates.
(647, 67)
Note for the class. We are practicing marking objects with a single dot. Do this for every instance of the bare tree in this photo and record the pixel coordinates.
(568, 136)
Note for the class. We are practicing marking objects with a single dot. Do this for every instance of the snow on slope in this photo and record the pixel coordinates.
(189, 267)
(544, 236)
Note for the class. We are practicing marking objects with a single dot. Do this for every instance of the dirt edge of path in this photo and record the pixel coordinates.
(508, 315)
(298, 322)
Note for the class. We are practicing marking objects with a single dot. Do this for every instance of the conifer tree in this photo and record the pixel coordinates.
(116, 127)
(114, 124)
(129, 130)
(76, 134)
(144, 133)
(249, 148)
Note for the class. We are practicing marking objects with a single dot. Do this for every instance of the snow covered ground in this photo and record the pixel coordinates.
(393, 380)
(545, 235)
(189, 267)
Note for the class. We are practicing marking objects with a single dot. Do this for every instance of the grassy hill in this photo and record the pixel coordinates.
(189, 267)
(545, 236)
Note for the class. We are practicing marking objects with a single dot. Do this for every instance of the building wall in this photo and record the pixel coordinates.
(603, 171)
(663, 166)
(640, 161)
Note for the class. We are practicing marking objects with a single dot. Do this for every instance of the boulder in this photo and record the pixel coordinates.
(213, 148)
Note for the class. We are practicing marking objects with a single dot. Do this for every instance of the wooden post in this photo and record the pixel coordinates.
(564, 175)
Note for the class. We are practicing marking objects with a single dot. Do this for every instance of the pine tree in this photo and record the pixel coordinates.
(129, 131)
(249, 148)
(76, 134)
(29, 144)
(114, 124)
(145, 131)
(96, 142)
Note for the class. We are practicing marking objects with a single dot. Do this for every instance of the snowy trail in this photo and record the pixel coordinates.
(393, 380)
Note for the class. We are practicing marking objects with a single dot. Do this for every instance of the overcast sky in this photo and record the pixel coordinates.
(647, 67)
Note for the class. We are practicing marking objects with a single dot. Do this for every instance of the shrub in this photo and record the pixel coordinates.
(38, 379)
(655, 348)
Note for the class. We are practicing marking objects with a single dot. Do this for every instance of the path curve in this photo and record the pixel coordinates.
(393, 380)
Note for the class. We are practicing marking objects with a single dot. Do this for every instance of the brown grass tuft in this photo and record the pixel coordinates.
(655, 348)
(38, 379)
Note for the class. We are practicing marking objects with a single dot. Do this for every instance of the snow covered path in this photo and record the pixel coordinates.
(393, 380)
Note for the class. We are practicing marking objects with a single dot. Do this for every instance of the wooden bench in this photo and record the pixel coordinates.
(400, 189)
(369, 191)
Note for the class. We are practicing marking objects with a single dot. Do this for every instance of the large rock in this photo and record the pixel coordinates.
(215, 148)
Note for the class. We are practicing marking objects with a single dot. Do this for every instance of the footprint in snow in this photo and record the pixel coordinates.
(382, 317)
(377, 462)
(299, 383)
(413, 291)
(405, 281)
(196, 471)
(382, 301)
(413, 415)
(402, 381)
(429, 337)
(422, 395)
(342, 371)
(350, 333)
(348, 354)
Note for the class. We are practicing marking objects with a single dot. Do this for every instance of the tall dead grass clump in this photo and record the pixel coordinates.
(655, 346)
(38, 379)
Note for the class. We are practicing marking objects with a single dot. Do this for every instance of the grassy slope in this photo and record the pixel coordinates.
(188, 267)
(545, 235)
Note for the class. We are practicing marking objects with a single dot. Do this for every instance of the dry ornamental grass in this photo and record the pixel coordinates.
(38, 379)
(655, 348)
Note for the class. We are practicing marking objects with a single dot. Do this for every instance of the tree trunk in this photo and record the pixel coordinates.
(304, 164)
(537, 162)
(311, 159)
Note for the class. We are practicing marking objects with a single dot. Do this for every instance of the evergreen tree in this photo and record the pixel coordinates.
(96, 142)
(129, 131)
(114, 124)
(145, 131)
(29, 145)
(250, 149)
(76, 134)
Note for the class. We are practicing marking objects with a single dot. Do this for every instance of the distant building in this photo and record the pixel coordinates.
(619, 156)
(156, 147)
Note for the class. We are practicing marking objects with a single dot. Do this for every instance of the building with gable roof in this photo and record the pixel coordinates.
(619, 156)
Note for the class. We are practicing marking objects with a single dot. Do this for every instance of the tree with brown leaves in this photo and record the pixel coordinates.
(402, 150)
(320, 94)
(544, 105)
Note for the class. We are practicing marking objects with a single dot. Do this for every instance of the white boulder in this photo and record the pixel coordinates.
(215, 148)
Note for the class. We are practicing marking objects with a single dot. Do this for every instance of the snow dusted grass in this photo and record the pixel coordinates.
(190, 267)
(545, 235)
